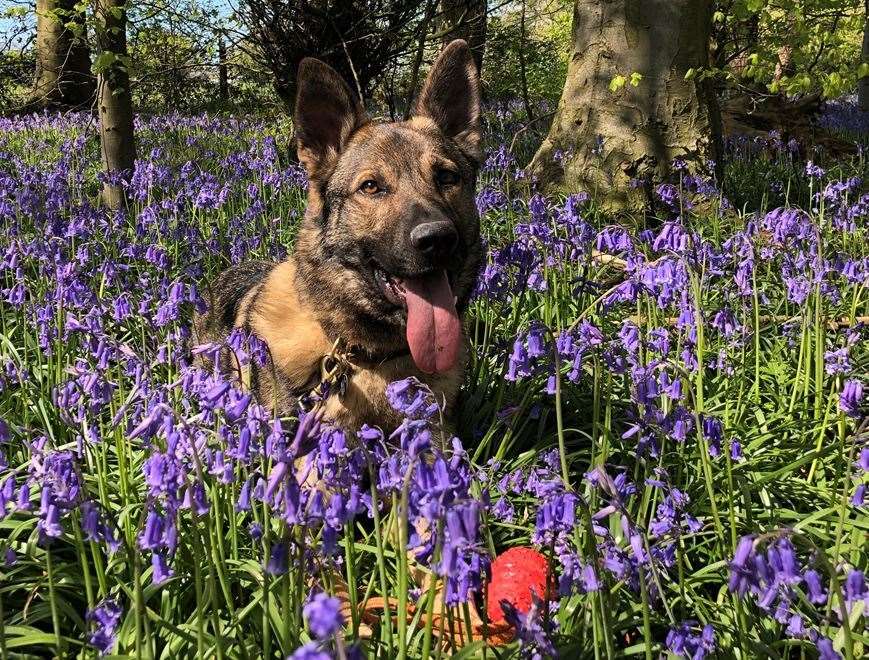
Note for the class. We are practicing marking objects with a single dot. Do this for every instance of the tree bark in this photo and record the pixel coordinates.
(523, 76)
(417, 58)
(604, 141)
(117, 142)
(222, 69)
(465, 19)
(863, 86)
(63, 62)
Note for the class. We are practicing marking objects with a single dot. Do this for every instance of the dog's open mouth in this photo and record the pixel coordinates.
(391, 287)
(434, 331)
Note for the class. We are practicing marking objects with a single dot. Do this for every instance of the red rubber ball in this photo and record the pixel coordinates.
(515, 573)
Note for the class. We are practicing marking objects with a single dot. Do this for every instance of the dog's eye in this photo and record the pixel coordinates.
(369, 187)
(448, 177)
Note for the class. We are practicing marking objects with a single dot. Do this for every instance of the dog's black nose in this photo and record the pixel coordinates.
(434, 239)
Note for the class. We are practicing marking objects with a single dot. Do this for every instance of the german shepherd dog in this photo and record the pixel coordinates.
(387, 254)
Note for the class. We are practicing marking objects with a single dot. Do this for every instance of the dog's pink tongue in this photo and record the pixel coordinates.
(433, 327)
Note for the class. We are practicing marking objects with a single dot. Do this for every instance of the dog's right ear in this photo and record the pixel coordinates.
(327, 112)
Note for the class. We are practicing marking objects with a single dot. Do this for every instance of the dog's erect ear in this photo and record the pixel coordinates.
(451, 97)
(327, 112)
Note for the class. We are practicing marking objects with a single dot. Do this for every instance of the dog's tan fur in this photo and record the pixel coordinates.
(275, 306)
(323, 292)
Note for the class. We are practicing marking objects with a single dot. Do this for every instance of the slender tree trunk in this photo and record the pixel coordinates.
(63, 63)
(466, 19)
(417, 58)
(784, 66)
(222, 69)
(523, 76)
(115, 101)
(863, 87)
(605, 141)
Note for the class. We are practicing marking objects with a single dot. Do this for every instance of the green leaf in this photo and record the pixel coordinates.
(691, 73)
(103, 61)
(863, 70)
(617, 83)
(636, 78)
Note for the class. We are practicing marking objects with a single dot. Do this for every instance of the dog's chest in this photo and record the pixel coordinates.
(297, 344)
(365, 402)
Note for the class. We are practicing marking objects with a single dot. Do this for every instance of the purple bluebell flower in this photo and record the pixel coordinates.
(556, 517)
(837, 362)
(534, 641)
(685, 642)
(735, 450)
(743, 570)
(671, 516)
(323, 614)
(713, 431)
(851, 397)
(519, 364)
(411, 398)
(826, 650)
(783, 562)
(856, 590)
(105, 617)
(278, 559)
(814, 171)
(310, 651)
(814, 589)
(161, 569)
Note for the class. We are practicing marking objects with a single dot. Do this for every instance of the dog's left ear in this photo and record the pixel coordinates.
(451, 98)
(326, 114)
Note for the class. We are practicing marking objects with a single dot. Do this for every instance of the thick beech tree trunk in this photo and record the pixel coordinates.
(465, 19)
(863, 87)
(63, 63)
(115, 101)
(605, 141)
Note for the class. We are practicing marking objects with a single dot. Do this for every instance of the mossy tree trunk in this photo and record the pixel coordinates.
(117, 140)
(63, 63)
(607, 138)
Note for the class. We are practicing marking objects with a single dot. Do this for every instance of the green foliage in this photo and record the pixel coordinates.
(546, 49)
(16, 77)
(791, 46)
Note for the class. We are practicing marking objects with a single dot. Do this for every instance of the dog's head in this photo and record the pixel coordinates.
(390, 246)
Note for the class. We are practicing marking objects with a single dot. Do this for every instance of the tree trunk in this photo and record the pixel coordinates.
(115, 101)
(605, 141)
(523, 76)
(863, 87)
(222, 69)
(785, 64)
(417, 58)
(465, 19)
(63, 62)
